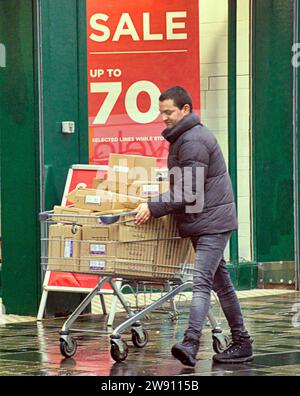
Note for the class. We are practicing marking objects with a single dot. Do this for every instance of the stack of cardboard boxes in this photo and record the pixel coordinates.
(151, 250)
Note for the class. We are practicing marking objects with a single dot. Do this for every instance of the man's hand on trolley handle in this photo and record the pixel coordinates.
(143, 214)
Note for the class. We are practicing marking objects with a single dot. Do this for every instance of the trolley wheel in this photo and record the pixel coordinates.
(139, 341)
(66, 349)
(117, 353)
(219, 345)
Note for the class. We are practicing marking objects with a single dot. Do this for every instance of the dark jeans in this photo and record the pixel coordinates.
(210, 273)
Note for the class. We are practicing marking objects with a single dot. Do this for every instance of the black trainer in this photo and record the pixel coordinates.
(186, 351)
(239, 351)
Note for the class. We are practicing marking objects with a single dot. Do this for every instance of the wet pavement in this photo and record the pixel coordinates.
(32, 348)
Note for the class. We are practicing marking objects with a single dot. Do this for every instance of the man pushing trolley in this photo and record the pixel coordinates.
(201, 199)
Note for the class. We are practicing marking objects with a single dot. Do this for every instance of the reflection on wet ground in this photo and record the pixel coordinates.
(32, 349)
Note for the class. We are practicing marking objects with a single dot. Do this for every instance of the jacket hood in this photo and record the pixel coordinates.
(188, 122)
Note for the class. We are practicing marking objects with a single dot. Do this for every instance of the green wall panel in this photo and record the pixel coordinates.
(64, 91)
(273, 130)
(63, 98)
(64, 70)
(297, 129)
(19, 159)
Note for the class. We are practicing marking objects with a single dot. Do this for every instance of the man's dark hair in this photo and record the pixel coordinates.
(179, 95)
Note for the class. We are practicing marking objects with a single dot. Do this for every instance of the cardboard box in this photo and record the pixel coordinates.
(64, 247)
(156, 244)
(120, 163)
(172, 250)
(147, 189)
(134, 268)
(192, 255)
(98, 248)
(162, 228)
(88, 198)
(98, 265)
(77, 212)
(100, 184)
(100, 232)
(136, 248)
(125, 169)
(170, 257)
(142, 251)
(126, 202)
(70, 196)
(129, 231)
(99, 200)
(118, 186)
(161, 261)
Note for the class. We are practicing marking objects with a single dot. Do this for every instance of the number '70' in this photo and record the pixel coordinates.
(114, 90)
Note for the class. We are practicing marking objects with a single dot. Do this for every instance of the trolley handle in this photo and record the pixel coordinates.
(43, 216)
(111, 219)
(106, 219)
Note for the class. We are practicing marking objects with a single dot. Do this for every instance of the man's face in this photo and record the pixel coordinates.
(171, 114)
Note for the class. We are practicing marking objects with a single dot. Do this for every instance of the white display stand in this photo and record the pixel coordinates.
(78, 175)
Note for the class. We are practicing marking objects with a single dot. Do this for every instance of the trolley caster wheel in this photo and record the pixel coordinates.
(119, 350)
(68, 349)
(139, 339)
(220, 342)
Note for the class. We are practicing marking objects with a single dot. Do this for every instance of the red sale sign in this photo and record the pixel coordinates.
(136, 50)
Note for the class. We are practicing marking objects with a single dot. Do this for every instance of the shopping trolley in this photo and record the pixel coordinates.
(113, 247)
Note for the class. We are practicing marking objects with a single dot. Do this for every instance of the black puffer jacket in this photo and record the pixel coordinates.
(193, 146)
